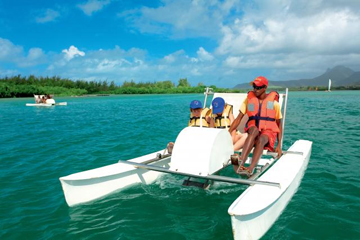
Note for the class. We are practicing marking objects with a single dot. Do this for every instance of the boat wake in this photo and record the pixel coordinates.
(173, 182)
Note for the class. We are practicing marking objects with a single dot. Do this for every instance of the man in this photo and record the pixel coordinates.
(263, 126)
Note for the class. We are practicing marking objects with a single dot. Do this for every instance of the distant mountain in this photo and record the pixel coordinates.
(339, 75)
(354, 80)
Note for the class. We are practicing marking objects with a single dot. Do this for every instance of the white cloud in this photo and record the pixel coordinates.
(109, 65)
(233, 62)
(92, 6)
(182, 19)
(103, 64)
(34, 57)
(278, 34)
(204, 55)
(48, 15)
(195, 72)
(175, 57)
(281, 39)
(8, 51)
(72, 52)
(35, 53)
(169, 58)
(326, 32)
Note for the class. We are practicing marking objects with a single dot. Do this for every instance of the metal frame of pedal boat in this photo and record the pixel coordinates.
(211, 177)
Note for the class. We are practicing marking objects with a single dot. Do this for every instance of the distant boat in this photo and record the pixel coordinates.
(49, 102)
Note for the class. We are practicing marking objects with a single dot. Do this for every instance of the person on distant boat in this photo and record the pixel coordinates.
(199, 117)
(223, 116)
(43, 99)
(263, 126)
(38, 99)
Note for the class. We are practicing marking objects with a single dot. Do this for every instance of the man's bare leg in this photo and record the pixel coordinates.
(253, 133)
(259, 147)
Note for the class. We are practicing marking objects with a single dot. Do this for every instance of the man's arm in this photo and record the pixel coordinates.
(279, 137)
(236, 122)
(231, 117)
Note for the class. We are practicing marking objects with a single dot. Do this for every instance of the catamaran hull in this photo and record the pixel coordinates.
(46, 104)
(93, 184)
(39, 105)
(252, 223)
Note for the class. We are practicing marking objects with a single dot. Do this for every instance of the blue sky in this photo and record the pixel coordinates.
(214, 42)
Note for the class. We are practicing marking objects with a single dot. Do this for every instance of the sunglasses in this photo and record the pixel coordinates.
(258, 88)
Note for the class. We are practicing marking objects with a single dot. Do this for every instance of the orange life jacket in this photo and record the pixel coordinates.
(262, 115)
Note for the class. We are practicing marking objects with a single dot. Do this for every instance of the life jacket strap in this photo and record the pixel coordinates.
(257, 118)
(194, 118)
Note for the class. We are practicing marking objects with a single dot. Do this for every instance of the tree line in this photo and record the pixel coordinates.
(22, 86)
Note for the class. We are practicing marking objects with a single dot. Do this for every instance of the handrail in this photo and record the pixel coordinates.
(209, 177)
(284, 116)
(207, 92)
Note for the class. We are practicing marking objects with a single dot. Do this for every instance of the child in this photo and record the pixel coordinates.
(223, 115)
(199, 117)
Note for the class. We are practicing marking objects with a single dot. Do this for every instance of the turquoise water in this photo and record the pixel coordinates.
(39, 145)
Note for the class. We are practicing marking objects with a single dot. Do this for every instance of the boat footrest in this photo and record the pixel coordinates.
(189, 182)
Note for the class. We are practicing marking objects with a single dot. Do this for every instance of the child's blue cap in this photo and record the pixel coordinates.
(218, 105)
(195, 104)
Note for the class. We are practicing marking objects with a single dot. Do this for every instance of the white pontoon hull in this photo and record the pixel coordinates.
(46, 104)
(40, 104)
(257, 208)
(93, 184)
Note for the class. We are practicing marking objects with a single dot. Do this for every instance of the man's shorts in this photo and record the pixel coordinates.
(272, 139)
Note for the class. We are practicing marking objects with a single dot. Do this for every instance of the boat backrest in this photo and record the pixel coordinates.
(236, 99)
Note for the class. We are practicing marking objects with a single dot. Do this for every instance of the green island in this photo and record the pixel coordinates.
(19, 86)
(22, 86)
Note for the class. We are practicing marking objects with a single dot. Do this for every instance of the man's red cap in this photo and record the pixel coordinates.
(260, 81)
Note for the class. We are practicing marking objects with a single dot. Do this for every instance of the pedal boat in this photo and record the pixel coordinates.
(252, 213)
(49, 102)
